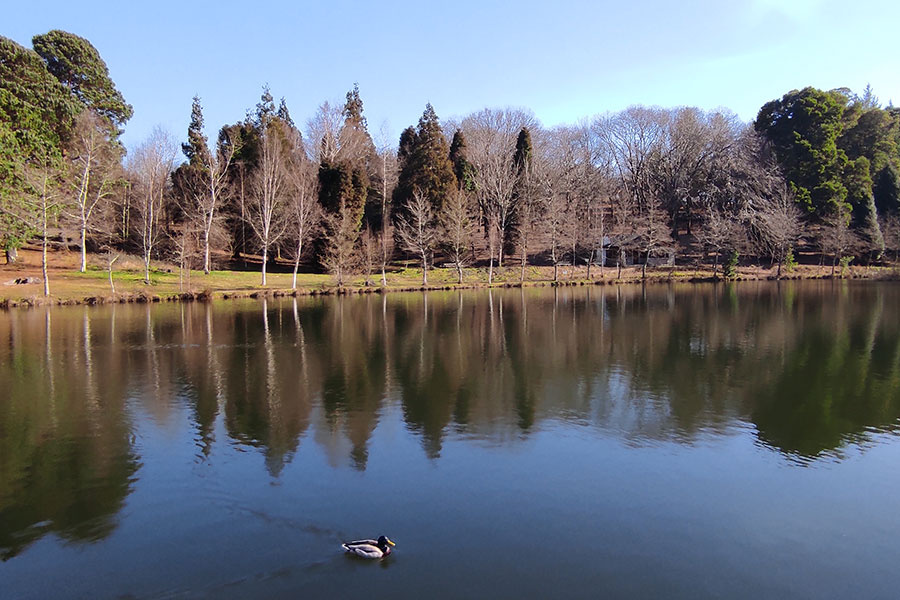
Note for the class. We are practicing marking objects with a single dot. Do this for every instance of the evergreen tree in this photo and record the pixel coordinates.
(873, 134)
(265, 109)
(462, 168)
(37, 115)
(344, 181)
(524, 153)
(353, 110)
(195, 149)
(79, 67)
(285, 115)
(425, 165)
(406, 145)
(886, 190)
(803, 128)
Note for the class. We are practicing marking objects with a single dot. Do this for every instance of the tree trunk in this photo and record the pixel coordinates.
(109, 270)
(590, 260)
(833, 261)
(491, 264)
(44, 257)
(383, 277)
(424, 269)
(11, 255)
(458, 271)
(265, 256)
(147, 267)
(574, 261)
(83, 247)
(297, 264)
(715, 263)
(524, 261)
(206, 251)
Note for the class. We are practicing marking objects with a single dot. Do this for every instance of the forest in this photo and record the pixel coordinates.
(817, 172)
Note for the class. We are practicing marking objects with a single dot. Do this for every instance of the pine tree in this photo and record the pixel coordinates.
(285, 115)
(524, 153)
(425, 165)
(195, 149)
(265, 109)
(79, 67)
(353, 110)
(462, 168)
(344, 181)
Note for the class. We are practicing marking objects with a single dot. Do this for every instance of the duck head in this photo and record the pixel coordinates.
(385, 544)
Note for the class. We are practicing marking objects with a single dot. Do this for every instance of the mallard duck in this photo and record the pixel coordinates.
(369, 548)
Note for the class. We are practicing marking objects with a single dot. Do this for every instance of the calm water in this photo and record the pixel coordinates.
(732, 441)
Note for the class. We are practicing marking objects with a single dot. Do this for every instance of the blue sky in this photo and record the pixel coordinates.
(564, 60)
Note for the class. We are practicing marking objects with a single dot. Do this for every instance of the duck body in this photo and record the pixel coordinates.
(369, 548)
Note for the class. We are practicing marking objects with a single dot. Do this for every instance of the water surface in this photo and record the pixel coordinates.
(698, 441)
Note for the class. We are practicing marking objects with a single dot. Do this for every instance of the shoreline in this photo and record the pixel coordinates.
(208, 294)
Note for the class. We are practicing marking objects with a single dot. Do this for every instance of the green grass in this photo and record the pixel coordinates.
(70, 285)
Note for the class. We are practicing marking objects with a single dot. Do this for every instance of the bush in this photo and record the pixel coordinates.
(845, 262)
(729, 269)
(790, 263)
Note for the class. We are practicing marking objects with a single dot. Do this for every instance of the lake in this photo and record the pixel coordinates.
(685, 441)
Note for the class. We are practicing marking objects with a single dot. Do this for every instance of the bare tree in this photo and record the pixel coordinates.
(633, 139)
(491, 136)
(385, 248)
(186, 241)
(493, 238)
(151, 164)
(692, 144)
(416, 231)
(593, 168)
(385, 237)
(340, 244)
(111, 257)
(42, 202)
(652, 227)
(215, 174)
(458, 226)
(555, 226)
(776, 218)
(303, 207)
(266, 212)
(721, 230)
(530, 214)
(368, 250)
(324, 132)
(836, 238)
(96, 172)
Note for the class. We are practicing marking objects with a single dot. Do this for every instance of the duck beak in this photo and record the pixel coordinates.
(391, 543)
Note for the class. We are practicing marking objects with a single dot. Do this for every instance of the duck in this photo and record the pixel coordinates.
(369, 548)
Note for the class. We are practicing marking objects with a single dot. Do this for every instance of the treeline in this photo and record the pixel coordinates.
(817, 168)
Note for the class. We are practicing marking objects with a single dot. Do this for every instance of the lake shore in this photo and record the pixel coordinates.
(68, 286)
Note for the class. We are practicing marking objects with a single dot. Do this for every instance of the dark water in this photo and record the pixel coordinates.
(683, 442)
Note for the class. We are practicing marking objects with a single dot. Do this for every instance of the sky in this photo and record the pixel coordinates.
(565, 60)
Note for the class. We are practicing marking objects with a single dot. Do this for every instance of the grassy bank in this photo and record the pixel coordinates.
(69, 286)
